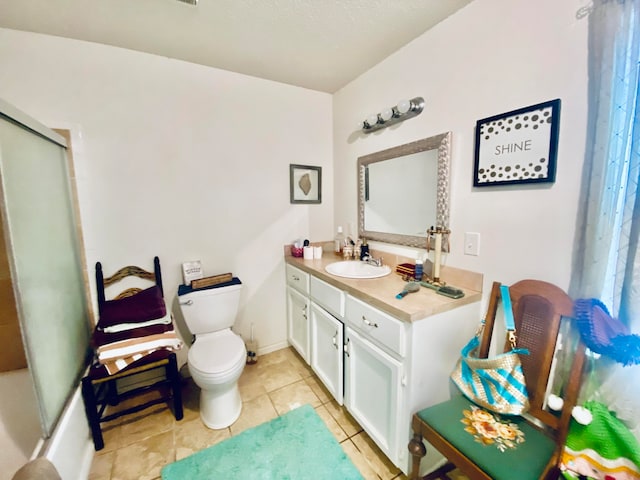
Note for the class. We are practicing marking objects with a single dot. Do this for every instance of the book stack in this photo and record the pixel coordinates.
(406, 270)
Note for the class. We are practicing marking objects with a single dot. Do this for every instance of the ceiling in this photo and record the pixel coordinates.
(317, 44)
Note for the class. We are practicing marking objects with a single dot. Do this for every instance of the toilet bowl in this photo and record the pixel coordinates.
(216, 362)
(217, 357)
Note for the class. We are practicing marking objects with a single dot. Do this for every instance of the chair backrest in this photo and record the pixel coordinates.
(538, 308)
(130, 271)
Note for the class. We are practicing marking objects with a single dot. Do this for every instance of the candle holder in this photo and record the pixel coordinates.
(435, 236)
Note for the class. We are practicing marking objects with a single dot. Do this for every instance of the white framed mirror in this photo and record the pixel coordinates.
(404, 190)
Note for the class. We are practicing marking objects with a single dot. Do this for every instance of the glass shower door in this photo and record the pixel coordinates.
(43, 250)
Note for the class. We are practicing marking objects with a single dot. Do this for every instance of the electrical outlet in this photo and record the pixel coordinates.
(472, 243)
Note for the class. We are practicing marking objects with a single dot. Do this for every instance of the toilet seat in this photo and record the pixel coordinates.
(217, 355)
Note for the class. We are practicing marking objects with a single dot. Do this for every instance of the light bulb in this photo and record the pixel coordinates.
(386, 114)
(372, 120)
(404, 106)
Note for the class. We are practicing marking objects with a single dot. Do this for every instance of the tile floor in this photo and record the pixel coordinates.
(138, 446)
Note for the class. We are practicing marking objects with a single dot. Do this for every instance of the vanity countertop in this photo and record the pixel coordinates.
(381, 292)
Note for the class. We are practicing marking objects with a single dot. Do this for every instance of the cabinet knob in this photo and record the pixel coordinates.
(295, 277)
(335, 340)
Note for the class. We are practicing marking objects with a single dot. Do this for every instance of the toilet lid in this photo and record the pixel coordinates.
(217, 354)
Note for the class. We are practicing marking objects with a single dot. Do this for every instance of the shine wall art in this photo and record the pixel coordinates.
(518, 146)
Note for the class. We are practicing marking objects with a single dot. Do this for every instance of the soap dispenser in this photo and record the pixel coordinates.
(364, 249)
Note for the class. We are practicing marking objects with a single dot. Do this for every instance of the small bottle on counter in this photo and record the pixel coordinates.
(357, 249)
(338, 241)
(419, 267)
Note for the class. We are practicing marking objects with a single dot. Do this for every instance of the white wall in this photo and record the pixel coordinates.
(181, 161)
(491, 57)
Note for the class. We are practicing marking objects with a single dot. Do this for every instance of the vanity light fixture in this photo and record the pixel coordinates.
(405, 110)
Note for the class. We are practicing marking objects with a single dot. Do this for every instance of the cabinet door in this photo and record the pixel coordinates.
(327, 339)
(373, 391)
(298, 322)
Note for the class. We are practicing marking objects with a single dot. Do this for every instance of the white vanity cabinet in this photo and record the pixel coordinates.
(395, 368)
(327, 340)
(327, 336)
(373, 390)
(383, 368)
(375, 344)
(298, 308)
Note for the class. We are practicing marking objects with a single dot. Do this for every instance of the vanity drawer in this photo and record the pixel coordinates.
(297, 279)
(328, 297)
(380, 327)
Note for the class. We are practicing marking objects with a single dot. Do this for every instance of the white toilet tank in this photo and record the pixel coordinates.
(210, 309)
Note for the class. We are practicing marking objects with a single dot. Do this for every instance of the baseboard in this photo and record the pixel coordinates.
(272, 348)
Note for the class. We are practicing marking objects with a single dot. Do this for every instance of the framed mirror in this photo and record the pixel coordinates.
(404, 190)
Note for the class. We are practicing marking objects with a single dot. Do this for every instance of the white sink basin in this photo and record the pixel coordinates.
(357, 269)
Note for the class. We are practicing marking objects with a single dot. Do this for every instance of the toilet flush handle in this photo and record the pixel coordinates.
(188, 302)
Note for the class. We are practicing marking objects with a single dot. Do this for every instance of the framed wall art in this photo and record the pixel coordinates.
(305, 184)
(518, 146)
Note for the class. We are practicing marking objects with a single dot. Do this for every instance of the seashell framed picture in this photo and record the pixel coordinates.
(305, 184)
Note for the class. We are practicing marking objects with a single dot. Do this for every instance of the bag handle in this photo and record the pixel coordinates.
(508, 315)
(509, 321)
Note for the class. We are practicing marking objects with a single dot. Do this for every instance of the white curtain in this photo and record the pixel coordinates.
(606, 264)
(607, 259)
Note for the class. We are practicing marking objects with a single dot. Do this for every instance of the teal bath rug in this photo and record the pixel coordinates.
(295, 446)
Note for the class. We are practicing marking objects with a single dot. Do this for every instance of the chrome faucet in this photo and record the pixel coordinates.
(376, 262)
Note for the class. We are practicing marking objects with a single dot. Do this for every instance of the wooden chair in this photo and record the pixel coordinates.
(538, 308)
(100, 387)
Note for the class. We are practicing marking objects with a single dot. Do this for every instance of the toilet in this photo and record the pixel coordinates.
(218, 355)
